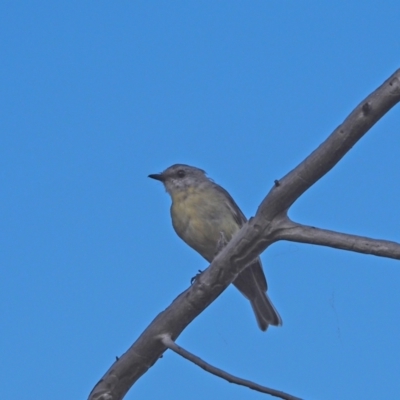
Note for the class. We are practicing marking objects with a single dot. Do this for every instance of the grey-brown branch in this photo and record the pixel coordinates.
(168, 342)
(255, 236)
(295, 232)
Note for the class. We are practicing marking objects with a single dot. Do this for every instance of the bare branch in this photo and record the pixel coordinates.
(254, 237)
(295, 232)
(288, 189)
(168, 342)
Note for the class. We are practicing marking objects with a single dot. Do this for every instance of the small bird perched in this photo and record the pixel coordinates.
(202, 212)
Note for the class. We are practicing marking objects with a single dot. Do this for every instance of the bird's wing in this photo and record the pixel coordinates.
(236, 211)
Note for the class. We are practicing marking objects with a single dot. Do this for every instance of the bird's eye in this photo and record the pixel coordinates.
(181, 173)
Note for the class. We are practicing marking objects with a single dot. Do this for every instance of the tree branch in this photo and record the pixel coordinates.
(254, 237)
(295, 232)
(168, 342)
(288, 189)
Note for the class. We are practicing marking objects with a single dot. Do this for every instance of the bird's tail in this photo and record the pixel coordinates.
(252, 283)
(265, 312)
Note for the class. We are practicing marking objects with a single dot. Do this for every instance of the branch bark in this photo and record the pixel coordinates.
(295, 232)
(256, 235)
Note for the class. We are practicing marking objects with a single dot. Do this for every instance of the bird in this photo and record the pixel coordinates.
(202, 213)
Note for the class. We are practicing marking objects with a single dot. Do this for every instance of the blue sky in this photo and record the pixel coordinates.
(96, 96)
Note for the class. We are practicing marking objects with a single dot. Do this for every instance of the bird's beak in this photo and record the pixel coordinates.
(158, 177)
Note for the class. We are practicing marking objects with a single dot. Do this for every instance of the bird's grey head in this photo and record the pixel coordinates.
(180, 176)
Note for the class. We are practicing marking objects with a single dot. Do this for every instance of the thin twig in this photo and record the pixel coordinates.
(168, 342)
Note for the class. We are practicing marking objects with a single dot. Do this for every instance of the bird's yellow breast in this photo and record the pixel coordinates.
(199, 215)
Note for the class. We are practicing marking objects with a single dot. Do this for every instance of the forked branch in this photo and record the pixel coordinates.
(254, 237)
